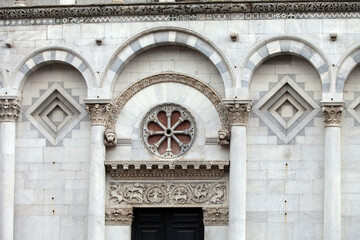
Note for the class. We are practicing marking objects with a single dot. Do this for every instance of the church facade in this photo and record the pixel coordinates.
(179, 120)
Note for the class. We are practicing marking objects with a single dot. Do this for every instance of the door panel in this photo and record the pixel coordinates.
(167, 224)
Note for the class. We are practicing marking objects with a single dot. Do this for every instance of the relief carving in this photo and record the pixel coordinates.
(9, 109)
(216, 216)
(110, 139)
(98, 112)
(238, 112)
(166, 9)
(118, 216)
(332, 115)
(224, 137)
(167, 194)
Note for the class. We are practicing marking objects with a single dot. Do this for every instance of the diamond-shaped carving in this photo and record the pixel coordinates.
(286, 109)
(55, 113)
(354, 109)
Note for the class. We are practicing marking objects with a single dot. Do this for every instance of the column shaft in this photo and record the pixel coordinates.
(7, 186)
(237, 189)
(332, 184)
(332, 180)
(96, 221)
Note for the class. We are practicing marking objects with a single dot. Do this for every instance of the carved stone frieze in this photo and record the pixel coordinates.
(177, 173)
(98, 112)
(9, 109)
(163, 78)
(216, 216)
(332, 115)
(238, 112)
(118, 216)
(167, 194)
(178, 8)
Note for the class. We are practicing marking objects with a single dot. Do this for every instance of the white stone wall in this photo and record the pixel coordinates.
(277, 172)
(51, 191)
(285, 181)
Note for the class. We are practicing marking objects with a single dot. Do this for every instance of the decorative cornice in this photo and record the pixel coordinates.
(9, 109)
(118, 216)
(239, 111)
(216, 216)
(98, 112)
(177, 8)
(332, 115)
(177, 173)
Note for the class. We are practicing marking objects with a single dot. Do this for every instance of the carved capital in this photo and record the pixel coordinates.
(9, 109)
(119, 216)
(239, 111)
(98, 112)
(216, 216)
(332, 115)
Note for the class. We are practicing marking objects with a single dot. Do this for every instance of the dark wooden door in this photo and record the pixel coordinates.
(167, 224)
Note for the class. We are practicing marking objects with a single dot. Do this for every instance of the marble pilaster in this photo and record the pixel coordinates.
(332, 182)
(9, 113)
(238, 115)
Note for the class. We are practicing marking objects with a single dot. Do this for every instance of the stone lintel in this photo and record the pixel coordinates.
(10, 107)
(332, 113)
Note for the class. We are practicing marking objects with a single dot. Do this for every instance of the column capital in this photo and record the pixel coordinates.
(332, 114)
(98, 110)
(239, 111)
(9, 109)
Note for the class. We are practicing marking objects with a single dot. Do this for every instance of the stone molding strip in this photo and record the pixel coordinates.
(171, 164)
(177, 8)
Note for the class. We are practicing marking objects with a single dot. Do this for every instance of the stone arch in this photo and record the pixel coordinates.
(285, 45)
(346, 65)
(50, 55)
(162, 36)
(124, 97)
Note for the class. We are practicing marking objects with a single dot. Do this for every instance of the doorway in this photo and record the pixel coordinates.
(168, 224)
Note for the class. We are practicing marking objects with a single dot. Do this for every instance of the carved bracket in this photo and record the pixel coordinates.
(9, 109)
(216, 216)
(118, 216)
(332, 115)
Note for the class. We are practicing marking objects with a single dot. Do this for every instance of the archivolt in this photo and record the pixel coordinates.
(123, 98)
(49, 55)
(162, 36)
(285, 45)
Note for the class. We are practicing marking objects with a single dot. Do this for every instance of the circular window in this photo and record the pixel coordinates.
(168, 130)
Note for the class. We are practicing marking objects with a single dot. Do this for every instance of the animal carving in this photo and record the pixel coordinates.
(200, 192)
(134, 193)
(218, 194)
(180, 196)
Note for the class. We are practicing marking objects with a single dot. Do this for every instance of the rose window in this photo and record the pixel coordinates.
(168, 131)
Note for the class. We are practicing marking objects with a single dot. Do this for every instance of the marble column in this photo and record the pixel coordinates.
(96, 213)
(238, 115)
(9, 113)
(332, 181)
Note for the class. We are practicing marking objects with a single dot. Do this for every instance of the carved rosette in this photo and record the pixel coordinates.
(238, 112)
(119, 216)
(9, 109)
(98, 113)
(332, 115)
(216, 216)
